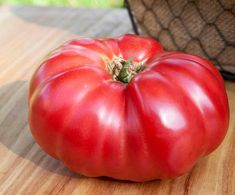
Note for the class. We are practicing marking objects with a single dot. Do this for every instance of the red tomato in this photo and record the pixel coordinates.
(124, 108)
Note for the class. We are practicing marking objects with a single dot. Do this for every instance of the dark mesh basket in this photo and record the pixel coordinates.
(202, 27)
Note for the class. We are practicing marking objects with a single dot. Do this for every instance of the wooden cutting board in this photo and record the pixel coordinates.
(26, 35)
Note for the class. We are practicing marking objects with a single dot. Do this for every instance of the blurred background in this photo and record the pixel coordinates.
(202, 27)
(73, 3)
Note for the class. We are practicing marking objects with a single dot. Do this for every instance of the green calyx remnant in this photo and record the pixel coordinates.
(124, 70)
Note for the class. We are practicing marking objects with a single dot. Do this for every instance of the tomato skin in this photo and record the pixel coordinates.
(157, 126)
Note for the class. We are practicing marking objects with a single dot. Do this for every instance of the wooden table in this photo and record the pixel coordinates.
(26, 35)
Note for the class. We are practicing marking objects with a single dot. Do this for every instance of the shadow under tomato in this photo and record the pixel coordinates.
(14, 129)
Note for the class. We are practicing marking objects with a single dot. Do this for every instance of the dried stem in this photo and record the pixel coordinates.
(123, 70)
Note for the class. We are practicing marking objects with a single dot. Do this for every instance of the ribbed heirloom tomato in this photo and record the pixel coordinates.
(124, 108)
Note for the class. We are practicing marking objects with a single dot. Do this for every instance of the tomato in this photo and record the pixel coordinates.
(124, 108)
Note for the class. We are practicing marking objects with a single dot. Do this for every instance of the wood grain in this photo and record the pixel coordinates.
(26, 35)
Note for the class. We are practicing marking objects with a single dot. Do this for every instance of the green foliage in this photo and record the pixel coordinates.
(74, 3)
